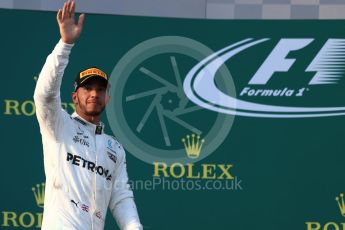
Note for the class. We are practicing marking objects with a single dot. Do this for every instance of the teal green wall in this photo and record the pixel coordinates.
(288, 171)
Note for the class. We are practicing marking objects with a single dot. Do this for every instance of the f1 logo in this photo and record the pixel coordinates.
(325, 64)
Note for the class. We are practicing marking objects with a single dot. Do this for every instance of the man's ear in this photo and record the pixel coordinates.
(74, 98)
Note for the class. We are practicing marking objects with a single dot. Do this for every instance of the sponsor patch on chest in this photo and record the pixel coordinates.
(112, 157)
(88, 165)
(81, 140)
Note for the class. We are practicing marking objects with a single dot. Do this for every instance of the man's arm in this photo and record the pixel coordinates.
(122, 203)
(47, 92)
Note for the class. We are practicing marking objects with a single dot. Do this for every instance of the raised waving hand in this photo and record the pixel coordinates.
(69, 29)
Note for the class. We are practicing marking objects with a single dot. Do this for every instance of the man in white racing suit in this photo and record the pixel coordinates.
(85, 168)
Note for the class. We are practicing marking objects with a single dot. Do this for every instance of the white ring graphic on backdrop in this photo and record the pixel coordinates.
(200, 87)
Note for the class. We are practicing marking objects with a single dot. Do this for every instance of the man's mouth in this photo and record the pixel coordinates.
(92, 102)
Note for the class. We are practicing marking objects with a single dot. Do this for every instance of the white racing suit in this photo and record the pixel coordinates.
(85, 169)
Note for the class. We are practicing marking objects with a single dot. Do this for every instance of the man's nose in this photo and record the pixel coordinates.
(94, 93)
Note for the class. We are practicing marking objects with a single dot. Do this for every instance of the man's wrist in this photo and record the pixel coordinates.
(63, 47)
(70, 42)
(67, 44)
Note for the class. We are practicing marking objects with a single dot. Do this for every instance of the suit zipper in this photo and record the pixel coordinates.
(95, 183)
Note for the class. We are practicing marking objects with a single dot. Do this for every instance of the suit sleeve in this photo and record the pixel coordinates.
(122, 203)
(47, 92)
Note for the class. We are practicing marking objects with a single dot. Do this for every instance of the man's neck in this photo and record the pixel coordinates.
(92, 119)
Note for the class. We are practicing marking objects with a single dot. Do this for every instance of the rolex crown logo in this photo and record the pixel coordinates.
(39, 194)
(193, 145)
(340, 201)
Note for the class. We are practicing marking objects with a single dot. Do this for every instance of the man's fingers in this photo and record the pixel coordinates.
(64, 11)
(81, 21)
(69, 8)
(59, 15)
(72, 9)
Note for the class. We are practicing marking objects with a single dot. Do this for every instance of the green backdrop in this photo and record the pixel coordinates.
(252, 172)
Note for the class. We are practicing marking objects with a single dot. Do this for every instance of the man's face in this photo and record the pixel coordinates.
(91, 98)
